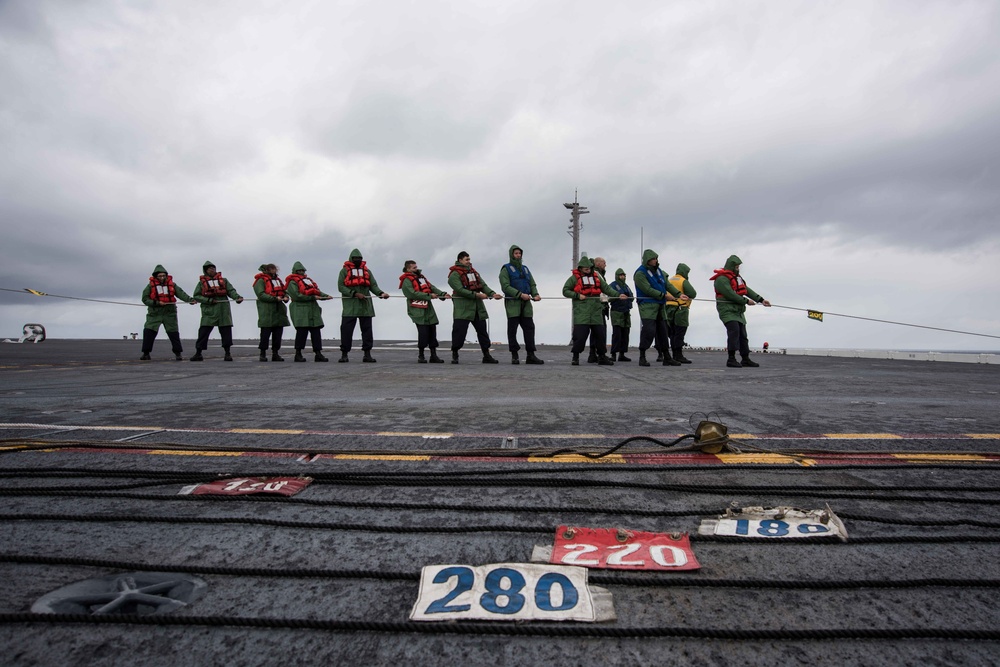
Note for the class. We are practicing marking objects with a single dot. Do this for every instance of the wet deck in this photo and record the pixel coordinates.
(429, 464)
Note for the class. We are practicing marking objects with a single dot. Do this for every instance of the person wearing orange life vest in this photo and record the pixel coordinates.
(678, 312)
(306, 314)
(732, 296)
(585, 287)
(420, 294)
(272, 315)
(213, 292)
(469, 290)
(356, 283)
(160, 297)
(601, 268)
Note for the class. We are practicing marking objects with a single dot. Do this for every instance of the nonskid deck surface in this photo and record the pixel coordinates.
(418, 465)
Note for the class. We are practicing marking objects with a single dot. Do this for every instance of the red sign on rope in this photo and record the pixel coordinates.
(620, 549)
(241, 486)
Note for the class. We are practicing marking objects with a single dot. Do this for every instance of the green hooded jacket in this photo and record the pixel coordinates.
(166, 314)
(466, 305)
(513, 303)
(623, 317)
(417, 314)
(731, 306)
(271, 312)
(305, 309)
(353, 306)
(588, 311)
(215, 311)
(651, 310)
(679, 315)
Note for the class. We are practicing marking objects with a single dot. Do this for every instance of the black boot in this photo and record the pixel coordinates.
(659, 356)
(421, 359)
(454, 356)
(592, 358)
(622, 357)
(667, 361)
(679, 356)
(343, 358)
(732, 363)
(197, 356)
(532, 359)
(642, 358)
(513, 358)
(263, 355)
(319, 356)
(576, 360)
(747, 363)
(144, 357)
(487, 359)
(228, 356)
(275, 356)
(368, 358)
(604, 361)
(435, 359)
(298, 355)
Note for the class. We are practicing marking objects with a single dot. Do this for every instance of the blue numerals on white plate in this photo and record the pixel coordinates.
(504, 591)
(769, 528)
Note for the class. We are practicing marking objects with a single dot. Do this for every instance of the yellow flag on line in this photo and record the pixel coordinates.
(815, 315)
(35, 292)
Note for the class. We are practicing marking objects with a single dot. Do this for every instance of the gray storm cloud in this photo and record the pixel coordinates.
(170, 132)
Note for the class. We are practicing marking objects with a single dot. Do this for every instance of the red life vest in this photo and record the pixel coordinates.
(420, 284)
(214, 286)
(162, 293)
(587, 285)
(273, 286)
(735, 281)
(357, 276)
(307, 286)
(470, 278)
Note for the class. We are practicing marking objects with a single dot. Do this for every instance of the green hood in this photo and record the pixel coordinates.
(356, 255)
(262, 267)
(510, 254)
(159, 269)
(621, 271)
(298, 267)
(648, 255)
(683, 269)
(732, 263)
(207, 264)
(585, 262)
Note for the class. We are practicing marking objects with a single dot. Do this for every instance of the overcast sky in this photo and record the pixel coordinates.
(846, 151)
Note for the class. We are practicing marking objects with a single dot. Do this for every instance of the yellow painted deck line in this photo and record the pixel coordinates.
(862, 436)
(381, 457)
(764, 458)
(179, 452)
(941, 457)
(575, 458)
(414, 434)
(983, 436)
(279, 431)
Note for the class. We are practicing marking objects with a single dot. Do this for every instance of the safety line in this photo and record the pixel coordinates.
(86, 492)
(560, 298)
(410, 529)
(523, 629)
(603, 578)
